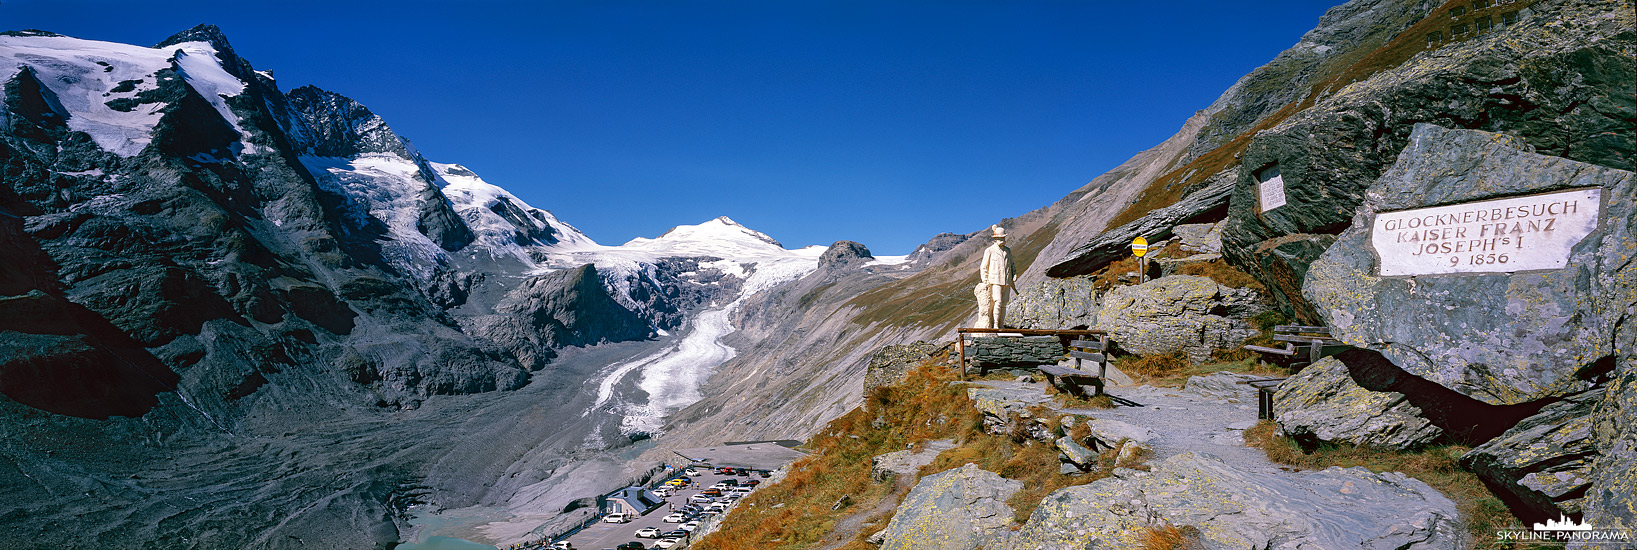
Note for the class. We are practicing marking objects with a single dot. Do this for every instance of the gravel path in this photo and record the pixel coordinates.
(1208, 415)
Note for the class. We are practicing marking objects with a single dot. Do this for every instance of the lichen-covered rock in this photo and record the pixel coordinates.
(1545, 460)
(1324, 403)
(999, 401)
(1222, 385)
(889, 365)
(1200, 238)
(1184, 313)
(1612, 500)
(1236, 508)
(1109, 432)
(1075, 453)
(1502, 338)
(906, 463)
(1054, 304)
(960, 509)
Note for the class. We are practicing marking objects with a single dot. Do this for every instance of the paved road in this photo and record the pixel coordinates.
(609, 535)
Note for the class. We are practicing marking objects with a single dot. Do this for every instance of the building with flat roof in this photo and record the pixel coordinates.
(634, 501)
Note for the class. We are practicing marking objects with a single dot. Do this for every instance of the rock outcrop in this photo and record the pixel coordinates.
(960, 509)
(1235, 508)
(1156, 226)
(844, 254)
(891, 364)
(1501, 337)
(907, 463)
(1554, 88)
(1054, 303)
(1323, 403)
(1185, 313)
(1544, 463)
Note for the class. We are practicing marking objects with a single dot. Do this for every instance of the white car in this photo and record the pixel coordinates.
(562, 545)
(690, 472)
(665, 491)
(701, 499)
(690, 526)
(667, 543)
(617, 517)
(648, 532)
(674, 518)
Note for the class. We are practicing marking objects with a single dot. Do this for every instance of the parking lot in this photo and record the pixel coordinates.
(610, 535)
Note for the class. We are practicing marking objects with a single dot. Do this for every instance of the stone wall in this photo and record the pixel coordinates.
(1013, 352)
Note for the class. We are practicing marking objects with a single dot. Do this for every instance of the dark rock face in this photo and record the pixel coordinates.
(940, 243)
(1544, 463)
(1558, 90)
(843, 254)
(570, 308)
(1205, 205)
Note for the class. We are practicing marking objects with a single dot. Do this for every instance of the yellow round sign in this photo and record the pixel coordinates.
(1139, 246)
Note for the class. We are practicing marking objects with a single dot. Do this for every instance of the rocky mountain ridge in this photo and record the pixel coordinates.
(197, 260)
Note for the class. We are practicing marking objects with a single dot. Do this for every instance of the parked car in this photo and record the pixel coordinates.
(617, 517)
(691, 472)
(562, 545)
(648, 532)
(701, 498)
(690, 526)
(667, 542)
(674, 534)
(753, 483)
(633, 545)
(674, 518)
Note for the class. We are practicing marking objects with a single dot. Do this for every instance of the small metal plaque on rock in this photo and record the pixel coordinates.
(1493, 236)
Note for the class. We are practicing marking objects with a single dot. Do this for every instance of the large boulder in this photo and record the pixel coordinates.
(1502, 337)
(1323, 403)
(1184, 313)
(1545, 461)
(1054, 304)
(1568, 93)
(1233, 507)
(960, 509)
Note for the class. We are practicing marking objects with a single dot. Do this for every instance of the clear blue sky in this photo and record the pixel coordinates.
(875, 121)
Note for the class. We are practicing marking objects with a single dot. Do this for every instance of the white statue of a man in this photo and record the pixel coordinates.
(995, 277)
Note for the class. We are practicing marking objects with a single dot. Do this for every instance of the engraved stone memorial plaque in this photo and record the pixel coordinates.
(1493, 236)
(1270, 189)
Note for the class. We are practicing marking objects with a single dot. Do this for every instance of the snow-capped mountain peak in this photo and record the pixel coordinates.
(103, 86)
(721, 237)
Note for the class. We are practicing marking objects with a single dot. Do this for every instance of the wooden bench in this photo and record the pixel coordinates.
(1264, 395)
(1074, 378)
(1304, 345)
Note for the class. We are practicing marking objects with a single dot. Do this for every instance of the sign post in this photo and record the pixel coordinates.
(1139, 247)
